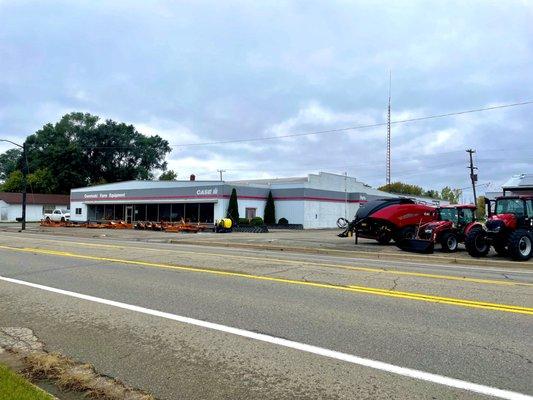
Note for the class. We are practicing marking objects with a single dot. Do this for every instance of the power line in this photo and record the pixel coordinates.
(357, 127)
(331, 131)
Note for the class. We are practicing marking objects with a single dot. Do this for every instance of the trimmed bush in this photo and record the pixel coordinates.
(283, 221)
(233, 206)
(257, 221)
(270, 210)
(244, 221)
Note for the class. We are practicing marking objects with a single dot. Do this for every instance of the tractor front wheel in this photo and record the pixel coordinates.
(476, 243)
(520, 245)
(449, 242)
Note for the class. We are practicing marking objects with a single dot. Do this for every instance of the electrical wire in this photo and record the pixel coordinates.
(402, 121)
(332, 131)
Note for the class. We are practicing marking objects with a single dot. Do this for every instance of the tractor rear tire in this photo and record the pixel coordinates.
(476, 243)
(520, 245)
(449, 242)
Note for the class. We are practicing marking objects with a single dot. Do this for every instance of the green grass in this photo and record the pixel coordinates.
(13, 386)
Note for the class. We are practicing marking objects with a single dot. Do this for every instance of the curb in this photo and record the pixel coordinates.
(427, 259)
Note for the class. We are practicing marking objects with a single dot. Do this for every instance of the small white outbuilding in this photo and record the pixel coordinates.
(36, 205)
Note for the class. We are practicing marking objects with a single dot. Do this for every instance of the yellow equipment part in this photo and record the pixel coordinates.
(225, 223)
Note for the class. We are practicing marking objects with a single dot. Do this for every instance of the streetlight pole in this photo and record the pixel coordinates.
(24, 178)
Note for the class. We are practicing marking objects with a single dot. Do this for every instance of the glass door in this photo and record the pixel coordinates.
(129, 214)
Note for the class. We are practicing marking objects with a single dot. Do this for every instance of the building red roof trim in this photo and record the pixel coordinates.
(35, 198)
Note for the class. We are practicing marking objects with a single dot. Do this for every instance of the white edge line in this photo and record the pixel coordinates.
(382, 366)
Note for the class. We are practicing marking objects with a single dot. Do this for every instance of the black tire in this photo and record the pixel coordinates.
(500, 247)
(520, 245)
(343, 223)
(47, 219)
(476, 243)
(384, 238)
(62, 219)
(449, 242)
(405, 233)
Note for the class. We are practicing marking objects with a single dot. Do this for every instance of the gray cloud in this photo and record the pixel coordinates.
(206, 71)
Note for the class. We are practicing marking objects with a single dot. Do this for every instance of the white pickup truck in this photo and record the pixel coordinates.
(58, 214)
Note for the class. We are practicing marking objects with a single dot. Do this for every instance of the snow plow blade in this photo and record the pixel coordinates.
(416, 246)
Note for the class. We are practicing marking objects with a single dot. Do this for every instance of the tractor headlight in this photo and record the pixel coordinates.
(428, 231)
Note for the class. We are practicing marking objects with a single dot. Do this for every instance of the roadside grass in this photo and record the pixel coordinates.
(72, 376)
(13, 386)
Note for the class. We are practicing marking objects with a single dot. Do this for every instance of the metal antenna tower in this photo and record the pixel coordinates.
(388, 178)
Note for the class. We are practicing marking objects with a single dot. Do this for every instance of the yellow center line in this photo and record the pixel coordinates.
(356, 289)
(308, 263)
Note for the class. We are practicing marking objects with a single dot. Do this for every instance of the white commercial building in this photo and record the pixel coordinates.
(315, 201)
(36, 205)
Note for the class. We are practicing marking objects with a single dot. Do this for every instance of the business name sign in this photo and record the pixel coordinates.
(98, 196)
(206, 192)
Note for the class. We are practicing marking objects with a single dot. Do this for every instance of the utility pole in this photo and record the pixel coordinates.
(24, 184)
(220, 171)
(388, 174)
(473, 176)
(24, 178)
(345, 195)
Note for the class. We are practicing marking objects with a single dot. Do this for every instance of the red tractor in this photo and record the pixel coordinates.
(452, 225)
(387, 219)
(509, 229)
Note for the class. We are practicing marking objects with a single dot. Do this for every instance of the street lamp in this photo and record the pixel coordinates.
(24, 174)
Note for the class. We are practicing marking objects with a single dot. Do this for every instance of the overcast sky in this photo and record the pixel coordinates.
(203, 71)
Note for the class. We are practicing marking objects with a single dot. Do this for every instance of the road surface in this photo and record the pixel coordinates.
(196, 322)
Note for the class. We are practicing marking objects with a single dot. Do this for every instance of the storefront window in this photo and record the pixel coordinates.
(139, 212)
(164, 212)
(151, 212)
(178, 212)
(119, 212)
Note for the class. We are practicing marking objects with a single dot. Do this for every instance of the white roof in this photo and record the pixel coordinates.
(521, 180)
(146, 185)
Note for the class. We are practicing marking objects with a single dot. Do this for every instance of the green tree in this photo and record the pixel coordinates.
(9, 162)
(233, 206)
(402, 188)
(481, 207)
(13, 183)
(79, 150)
(434, 194)
(270, 210)
(451, 195)
(41, 181)
(168, 176)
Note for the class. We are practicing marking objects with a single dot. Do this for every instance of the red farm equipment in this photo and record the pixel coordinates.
(509, 229)
(452, 225)
(387, 219)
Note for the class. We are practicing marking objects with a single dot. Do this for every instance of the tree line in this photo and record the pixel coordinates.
(446, 193)
(82, 150)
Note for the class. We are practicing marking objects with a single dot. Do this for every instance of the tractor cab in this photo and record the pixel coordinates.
(511, 213)
(460, 216)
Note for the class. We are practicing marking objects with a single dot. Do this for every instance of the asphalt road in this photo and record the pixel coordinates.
(473, 324)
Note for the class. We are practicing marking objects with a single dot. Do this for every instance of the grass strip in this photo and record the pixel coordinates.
(14, 386)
